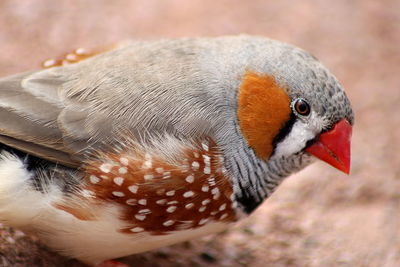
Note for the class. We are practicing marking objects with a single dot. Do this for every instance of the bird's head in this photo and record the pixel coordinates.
(292, 105)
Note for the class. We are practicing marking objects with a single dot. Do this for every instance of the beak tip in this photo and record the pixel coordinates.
(346, 170)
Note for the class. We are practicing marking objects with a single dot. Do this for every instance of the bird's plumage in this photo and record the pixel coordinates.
(161, 103)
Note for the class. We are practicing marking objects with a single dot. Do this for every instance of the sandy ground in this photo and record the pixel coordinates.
(318, 217)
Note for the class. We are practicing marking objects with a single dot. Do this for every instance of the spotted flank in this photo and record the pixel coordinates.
(159, 197)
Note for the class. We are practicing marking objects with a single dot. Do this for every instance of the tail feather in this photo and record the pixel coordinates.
(29, 187)
(17, 194)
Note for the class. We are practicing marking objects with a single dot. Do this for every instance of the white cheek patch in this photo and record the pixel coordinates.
(300, 134)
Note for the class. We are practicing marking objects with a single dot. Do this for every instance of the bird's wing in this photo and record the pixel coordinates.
(29, 111)
(60, 113)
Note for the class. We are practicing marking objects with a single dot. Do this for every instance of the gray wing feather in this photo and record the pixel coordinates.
(37, 117)
(29, 111)
(145, 88)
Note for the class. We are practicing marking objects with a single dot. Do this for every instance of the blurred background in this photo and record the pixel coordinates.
(318, 217)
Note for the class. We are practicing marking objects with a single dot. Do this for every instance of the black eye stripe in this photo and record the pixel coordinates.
(304, 110)
(284, 131)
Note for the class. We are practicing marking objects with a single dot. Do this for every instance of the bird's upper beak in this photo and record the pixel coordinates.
(333, 146)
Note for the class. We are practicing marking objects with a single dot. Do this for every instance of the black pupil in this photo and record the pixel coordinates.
(302, 107)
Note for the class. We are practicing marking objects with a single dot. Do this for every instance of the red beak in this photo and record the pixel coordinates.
(333, 146)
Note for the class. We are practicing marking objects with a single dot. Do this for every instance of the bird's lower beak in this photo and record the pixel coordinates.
(333, 146)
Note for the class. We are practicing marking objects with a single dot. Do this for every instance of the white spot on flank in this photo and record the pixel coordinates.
(118, 180)
(118, 194)
(104, 176)
(168, 223)
(189, 206)
(215, 192)
(202, 208)
(186, 164)
(140, 217)
(172, 202)
(87, 193)
(133, 188)
(122, 170)
(94, 179)
(185, 225)
(190, 179)
(205, 201)
(213, 213)
(207, 170)
(222, 207)
(148, 161)
(124, 161)
(188, 194)
(205, 188)
(206, 160)
(196, 155)
(223, 216)
(142, 201)
(161, 201)
(137, 229)
(170, 193)
(171, 209)
(166, 175)
(148, 176)
(159, 170)
(144, 211)
(211, 181)
(203, 221)
(105, 167)
(195, 165)
(131, 202)
(147, 164)
(204, 146)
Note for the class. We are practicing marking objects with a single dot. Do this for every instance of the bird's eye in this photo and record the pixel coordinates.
(301, 107)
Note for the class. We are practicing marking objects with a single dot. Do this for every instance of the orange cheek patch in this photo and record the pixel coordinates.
(263, 109)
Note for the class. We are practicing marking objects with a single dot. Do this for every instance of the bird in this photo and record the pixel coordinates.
(151, 143)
